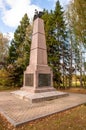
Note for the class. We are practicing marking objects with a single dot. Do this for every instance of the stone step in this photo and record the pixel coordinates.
(39, 97)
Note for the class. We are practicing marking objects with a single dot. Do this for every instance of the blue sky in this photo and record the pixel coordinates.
(11, 11)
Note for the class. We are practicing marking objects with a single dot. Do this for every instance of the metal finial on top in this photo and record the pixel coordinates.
(37, 14)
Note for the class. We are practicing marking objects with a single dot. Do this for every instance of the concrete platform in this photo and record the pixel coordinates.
(39, 97)
(18, 111)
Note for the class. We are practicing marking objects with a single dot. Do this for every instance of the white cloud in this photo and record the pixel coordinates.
(9, 35)
(14, 10)
(62, 2)
(1, 5)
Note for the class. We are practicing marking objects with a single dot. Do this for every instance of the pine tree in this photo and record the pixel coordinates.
(56, 38)
(19, 51)
(50, 40)
(61, 43)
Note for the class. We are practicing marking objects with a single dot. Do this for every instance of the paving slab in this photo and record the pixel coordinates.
(18, 111)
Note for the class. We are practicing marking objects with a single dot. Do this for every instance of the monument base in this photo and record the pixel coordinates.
(39, 97)
(38, 90)
(38, 78)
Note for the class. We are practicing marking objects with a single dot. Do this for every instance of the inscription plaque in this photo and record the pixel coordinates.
(44, 80)
(28, 79)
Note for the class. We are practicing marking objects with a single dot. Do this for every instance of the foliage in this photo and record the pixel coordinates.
(65, 43)
(3, 77)
(3, 49)
(56, 38)
(79, 8)
(19, 51)
(77, 15)
(76, 24)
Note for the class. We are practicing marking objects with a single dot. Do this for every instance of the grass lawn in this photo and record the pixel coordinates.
(73, 119)
(8, 88)
(75, 90)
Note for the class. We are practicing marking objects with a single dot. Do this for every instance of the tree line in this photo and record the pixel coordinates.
(65, 38)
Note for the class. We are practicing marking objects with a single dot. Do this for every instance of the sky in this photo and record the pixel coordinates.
(12, 11)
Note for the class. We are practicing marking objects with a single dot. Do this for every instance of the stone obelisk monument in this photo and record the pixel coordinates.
(38, 83)
(38, 75)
